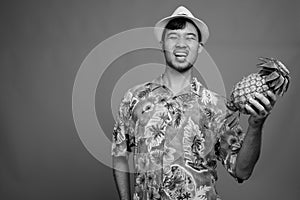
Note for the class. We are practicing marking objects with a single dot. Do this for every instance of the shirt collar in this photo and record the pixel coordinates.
(194, 85)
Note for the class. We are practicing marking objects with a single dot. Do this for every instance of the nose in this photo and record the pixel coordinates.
(181, 42)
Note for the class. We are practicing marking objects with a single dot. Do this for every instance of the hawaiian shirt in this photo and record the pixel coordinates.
(176, 140)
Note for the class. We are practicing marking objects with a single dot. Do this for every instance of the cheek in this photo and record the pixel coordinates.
(168, 47)
(168, 51)
(194, 51)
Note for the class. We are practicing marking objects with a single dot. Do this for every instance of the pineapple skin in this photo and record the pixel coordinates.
(272, 76)
(245, 89)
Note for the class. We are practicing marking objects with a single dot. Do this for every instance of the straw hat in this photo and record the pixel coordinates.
(182, 11)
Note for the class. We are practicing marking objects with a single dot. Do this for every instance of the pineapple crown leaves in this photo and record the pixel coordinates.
(273, 64)
(276, 74)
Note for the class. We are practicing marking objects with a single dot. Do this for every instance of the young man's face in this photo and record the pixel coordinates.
(181, 47)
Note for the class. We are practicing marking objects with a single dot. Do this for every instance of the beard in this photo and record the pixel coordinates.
(180, 67)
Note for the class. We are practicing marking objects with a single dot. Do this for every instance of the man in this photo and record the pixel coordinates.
(177, 129)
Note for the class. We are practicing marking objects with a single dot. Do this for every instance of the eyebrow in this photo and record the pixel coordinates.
(170, 33)
(173, 32)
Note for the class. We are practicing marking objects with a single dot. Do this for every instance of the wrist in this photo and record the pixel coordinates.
(256, 122)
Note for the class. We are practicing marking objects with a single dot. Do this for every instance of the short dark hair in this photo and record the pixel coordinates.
(180, 23)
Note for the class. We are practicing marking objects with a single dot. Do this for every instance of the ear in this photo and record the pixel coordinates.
(162, 45)
(200, 47)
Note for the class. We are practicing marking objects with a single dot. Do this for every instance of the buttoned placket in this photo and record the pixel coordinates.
(171, 97)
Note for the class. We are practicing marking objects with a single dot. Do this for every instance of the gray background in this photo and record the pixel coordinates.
(42, 46)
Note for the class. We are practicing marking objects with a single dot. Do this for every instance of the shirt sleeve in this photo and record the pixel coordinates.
(123, 138)
(230, 140)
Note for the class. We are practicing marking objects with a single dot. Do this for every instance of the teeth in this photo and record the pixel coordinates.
(180, 54)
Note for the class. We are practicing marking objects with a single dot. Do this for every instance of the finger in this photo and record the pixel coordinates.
(272, 97)
(250, 110)
(256, 105)
(264, 101)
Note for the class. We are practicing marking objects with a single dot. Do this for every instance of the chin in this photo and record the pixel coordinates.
(182, 67)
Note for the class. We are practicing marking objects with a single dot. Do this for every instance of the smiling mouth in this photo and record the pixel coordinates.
(181, 54)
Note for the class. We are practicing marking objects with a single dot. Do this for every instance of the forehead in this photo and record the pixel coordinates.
(189, 28)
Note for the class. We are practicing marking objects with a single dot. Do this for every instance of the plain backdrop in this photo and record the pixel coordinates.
(42, 45)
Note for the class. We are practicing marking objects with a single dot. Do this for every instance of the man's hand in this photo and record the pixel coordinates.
(260, 107)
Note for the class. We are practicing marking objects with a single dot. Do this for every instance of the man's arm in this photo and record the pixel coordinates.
(250, 150)
(122, 177)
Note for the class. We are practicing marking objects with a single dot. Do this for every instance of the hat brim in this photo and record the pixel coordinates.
(160, 26)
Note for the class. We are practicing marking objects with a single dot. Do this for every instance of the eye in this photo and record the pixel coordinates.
(172, 36)
(191, 37)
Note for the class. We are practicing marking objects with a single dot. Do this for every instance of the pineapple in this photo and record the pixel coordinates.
(273, 76)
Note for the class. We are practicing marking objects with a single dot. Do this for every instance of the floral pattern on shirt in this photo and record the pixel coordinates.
(176, 140)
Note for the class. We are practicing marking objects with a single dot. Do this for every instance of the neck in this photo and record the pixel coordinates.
(175, 80)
